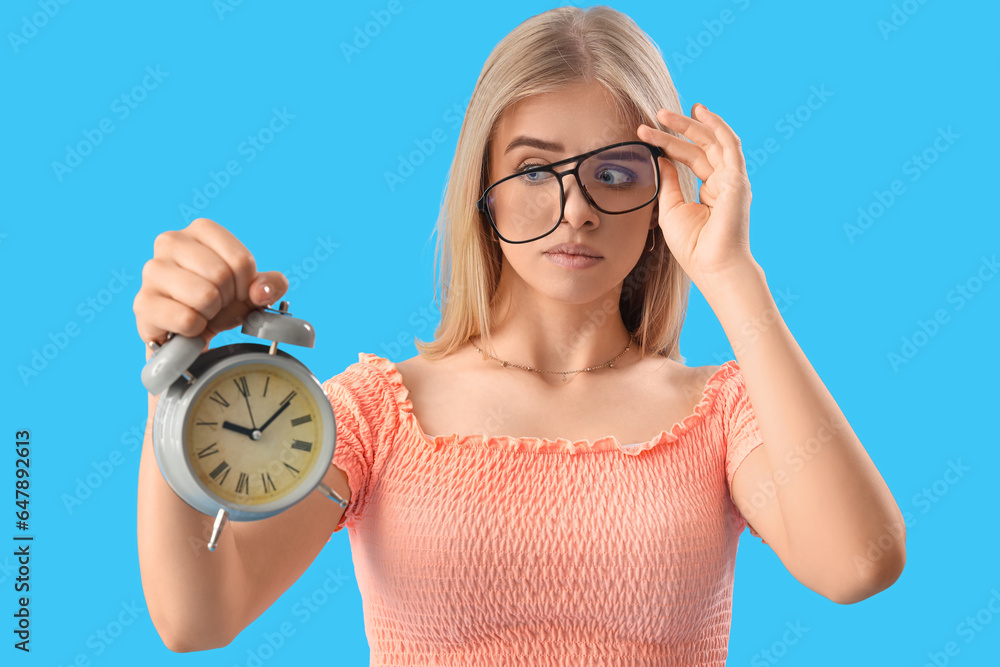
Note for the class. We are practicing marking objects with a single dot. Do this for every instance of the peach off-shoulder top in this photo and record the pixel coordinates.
(529, 551)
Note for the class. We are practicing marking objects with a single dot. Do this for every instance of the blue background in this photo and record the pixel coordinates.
(850, 301)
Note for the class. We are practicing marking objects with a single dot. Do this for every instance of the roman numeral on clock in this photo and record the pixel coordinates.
(208, 451)
(290, 396)
(221, 469)
(217, 397)
(243, 483)
(304, 446)
(242, 386)
(301, 420)
(293, 469)
(265, 479)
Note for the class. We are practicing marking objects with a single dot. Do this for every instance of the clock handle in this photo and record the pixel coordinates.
(220, 521)
(331, 494)
(170, 361)
(279, 326)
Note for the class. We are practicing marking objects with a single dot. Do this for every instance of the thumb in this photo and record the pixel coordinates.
(267, 287)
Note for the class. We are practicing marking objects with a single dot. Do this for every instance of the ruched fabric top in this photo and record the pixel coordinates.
(528, 551)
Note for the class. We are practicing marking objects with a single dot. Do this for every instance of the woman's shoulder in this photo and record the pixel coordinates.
(419, 369)
(372, 378)
(676, 373)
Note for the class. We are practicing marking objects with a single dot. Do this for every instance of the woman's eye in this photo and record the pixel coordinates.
(533, 177)
(614, 175)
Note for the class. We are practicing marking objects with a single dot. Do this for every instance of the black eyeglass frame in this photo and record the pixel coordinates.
(656, 152)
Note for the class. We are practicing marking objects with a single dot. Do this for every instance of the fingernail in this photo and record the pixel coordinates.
(267, 291)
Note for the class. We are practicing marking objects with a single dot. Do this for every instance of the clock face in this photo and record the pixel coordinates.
(253, 433)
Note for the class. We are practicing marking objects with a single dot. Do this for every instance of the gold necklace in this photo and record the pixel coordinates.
(507, 364)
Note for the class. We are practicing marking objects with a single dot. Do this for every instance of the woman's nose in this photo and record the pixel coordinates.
(578, 209)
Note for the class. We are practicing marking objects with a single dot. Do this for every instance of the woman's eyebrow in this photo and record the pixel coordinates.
(534, 143)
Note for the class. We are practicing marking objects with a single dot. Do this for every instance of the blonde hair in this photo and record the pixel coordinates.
(546, 52)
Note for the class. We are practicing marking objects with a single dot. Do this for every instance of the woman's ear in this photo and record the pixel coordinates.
(655, 217)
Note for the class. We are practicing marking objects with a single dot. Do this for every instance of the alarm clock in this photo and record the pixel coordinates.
(243, 431)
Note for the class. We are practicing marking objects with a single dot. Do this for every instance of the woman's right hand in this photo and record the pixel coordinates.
(200, 281)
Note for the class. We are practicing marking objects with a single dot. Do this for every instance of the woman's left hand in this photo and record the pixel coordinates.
(710, 239)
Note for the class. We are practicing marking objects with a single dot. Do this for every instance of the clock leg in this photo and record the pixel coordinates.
(220, 521)
(331, 494)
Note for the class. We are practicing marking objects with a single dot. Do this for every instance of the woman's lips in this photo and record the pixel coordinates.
(572, 261)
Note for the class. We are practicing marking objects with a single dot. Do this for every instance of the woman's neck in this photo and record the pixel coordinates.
(557, 336)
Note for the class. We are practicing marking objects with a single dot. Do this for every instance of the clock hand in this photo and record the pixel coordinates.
(275, 415)
(241, 385)
(239, 429)
(250, 411)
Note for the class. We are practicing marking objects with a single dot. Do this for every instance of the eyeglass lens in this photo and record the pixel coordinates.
(619, 179)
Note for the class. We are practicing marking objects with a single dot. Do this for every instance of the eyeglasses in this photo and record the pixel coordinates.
(529, 204)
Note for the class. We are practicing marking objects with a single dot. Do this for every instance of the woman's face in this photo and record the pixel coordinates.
(573, 120)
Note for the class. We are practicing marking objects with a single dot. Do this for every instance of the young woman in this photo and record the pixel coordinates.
(547, 482)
